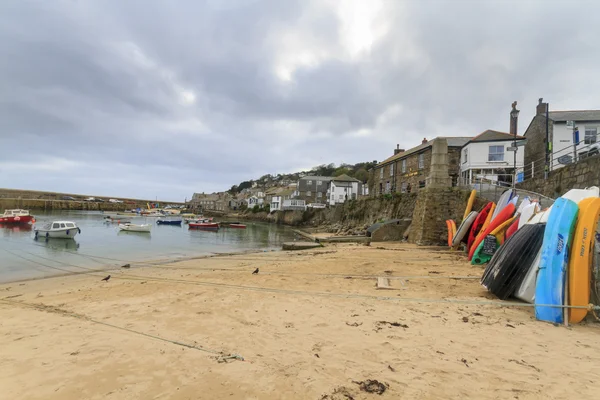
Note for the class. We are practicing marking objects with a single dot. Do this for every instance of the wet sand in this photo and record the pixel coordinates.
(308, 326)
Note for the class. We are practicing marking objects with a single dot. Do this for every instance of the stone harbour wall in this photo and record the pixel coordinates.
(48, 205)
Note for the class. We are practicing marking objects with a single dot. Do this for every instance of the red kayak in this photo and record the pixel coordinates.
(239, 226)
(513, 228)
(203, 225)
(506, 213)
(16, 217)
(478, 224)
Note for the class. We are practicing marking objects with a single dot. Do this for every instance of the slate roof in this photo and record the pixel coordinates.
(578, 115)
(493, 136)
(345, 178)
(453, 141)
(316, 178)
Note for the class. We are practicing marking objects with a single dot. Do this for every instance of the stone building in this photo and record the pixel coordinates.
(313, 189)
(552, 142)
(407, 170)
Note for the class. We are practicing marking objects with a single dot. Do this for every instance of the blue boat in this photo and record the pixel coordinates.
(550, 287)
(168, 222)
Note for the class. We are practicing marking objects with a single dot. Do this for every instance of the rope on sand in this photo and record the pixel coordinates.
(589, 307)
(221, 357)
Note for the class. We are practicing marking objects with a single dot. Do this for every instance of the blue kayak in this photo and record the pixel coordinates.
(550, 287)
(168, 222)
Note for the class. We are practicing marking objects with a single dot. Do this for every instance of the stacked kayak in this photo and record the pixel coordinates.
(509, 265)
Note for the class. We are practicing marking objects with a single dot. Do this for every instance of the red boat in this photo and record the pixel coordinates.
(16, 217)
(239, 226)
(203, 225)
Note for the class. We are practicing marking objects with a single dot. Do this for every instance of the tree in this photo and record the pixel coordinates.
(341, 171)
(362, 175)
(233, 190)
(244, 185)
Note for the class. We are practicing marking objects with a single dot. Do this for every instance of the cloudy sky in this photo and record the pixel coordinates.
(166, 98)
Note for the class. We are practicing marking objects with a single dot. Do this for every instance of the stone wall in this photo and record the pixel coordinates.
(433, 207)
(48, 205)
(535, 149)
(575, 176)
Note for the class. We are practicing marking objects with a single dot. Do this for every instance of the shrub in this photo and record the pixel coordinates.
(255, 209)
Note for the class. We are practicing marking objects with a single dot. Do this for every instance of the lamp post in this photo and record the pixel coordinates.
(514, 115)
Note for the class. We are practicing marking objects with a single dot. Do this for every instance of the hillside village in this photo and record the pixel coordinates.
(551, 140)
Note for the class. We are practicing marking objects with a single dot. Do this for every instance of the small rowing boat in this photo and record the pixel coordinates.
(203, 225)
(168, 222)
(135, 228)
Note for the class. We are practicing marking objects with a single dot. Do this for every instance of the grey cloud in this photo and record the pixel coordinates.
(108, 86)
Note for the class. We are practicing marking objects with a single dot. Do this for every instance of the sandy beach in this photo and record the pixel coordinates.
(309, 325)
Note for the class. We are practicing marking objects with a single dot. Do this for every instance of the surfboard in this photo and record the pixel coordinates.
(451, 225)
(580, 260)
(463, 228)
(470, 203)
(526, 291)
(502, 202)
(478, 224)
(550, 285)
(505, 214)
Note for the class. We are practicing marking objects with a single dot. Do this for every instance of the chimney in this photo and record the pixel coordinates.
(424, 141)
(514, 118)
(397, 149)
(541, 107)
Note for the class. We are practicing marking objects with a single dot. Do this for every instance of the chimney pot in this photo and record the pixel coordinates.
(541, 107)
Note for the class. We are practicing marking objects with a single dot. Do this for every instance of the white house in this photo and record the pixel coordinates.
(294, 204)
(342, 188)
(587, 123)
(255, 200)
(489, 156)
(278, 199)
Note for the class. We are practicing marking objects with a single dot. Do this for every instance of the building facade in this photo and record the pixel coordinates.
(552, 141)
(407, 170)
(313, 189)
(488, 156)
(343, 188)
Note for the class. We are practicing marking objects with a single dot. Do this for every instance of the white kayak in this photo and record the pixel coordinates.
(57, 230)
(502, 202)
(135, 228)
(464, 227)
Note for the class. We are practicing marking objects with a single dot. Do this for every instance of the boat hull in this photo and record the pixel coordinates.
(159, 222)
(57, 234)
(209, 226)
(136, 228)
(26, 219)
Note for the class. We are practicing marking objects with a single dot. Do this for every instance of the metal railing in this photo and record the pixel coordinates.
(492, 191)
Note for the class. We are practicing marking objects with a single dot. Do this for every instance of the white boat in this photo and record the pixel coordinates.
(57, 230)
(135, 228)
(153, 214)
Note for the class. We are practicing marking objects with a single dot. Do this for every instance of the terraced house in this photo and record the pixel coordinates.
(407, 170)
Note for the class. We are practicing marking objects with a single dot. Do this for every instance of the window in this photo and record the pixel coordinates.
(421, 161)
(309, 193)
(333, 197)
(62, 225)
(319, 183)
(387, 187)
(391, 169)
(319, 194)
(309, 182)
(341, 197)
(55, 226)
(403, 166)
(591, 135)
(496, 153)
(421, 184)
(466, 155)
(403, 187)
(381, 173)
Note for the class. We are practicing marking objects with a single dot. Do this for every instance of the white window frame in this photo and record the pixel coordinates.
(421, 160)
(308, 193)
(381, 173)
(391, 169)
(493, 156)
(319, 194)
(404, 166)
(592, 137)
(466, 154)
(319, 183)
(309, 182)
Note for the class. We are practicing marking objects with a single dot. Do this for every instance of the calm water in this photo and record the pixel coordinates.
(101, 245)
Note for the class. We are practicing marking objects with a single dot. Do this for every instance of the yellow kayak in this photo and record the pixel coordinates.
(580, 260)
(470, 203)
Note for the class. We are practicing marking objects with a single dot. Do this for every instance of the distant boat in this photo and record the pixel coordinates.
(168, 222)
(118, 221)
(239, 226)
(57, 230)
(135, 228)
(16, 217)
(204, 225)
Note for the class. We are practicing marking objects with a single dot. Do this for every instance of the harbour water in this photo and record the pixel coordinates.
(101, 245)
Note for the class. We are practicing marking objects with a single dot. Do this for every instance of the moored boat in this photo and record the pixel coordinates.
(16, 217)
(204, 225)
(237, 225)
(57, 230)
(168, 222)
(135, 228)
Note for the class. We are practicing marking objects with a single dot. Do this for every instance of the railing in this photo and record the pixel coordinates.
(490, 190)
(567, 155)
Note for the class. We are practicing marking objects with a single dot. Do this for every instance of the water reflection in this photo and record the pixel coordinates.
(58, 244)
(147, 236)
